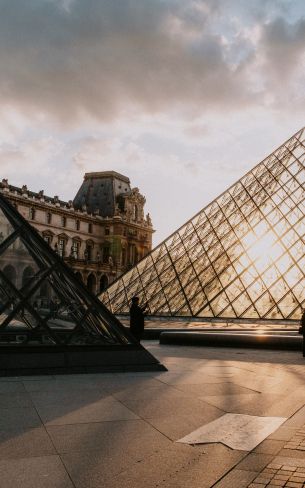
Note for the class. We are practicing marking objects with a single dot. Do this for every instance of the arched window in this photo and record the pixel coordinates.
(91, 283)
(123, 256)
(10, 272)
(133, 255)
(62, 246)
(103, 283)
(75, 249)
(27, 275)
(106, 254)
(79, 275)
(136, 256)
(89, 250)
(48, 238)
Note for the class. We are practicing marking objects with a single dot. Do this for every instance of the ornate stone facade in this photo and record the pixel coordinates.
(100, 235)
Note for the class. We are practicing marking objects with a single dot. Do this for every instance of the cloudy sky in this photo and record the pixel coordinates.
(181, 96)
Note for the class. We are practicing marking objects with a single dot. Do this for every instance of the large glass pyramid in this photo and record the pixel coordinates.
(48, 319)
(242, 256)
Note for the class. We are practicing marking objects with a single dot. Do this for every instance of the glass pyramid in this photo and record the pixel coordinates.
(242, 256)
(45, 308)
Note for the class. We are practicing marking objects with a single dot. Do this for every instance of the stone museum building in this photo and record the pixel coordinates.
(100, 234)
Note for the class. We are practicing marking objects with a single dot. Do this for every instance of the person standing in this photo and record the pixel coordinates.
(137, 318)
(302, 329)
(302, 322)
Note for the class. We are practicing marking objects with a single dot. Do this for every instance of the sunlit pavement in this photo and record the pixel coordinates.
(153, 323)
(120, 430)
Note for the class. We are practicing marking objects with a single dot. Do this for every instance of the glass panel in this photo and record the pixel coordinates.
(182, 264)
(167, 276)
(235, 289)
(241, 304)
(198, 301)
(219, 304)
(158, 303)
(6, 228)
(18, 264)
(244, 252)
(177, 303)
(188, 275)
(172, 289)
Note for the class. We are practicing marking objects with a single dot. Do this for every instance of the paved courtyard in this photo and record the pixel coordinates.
(121, 430)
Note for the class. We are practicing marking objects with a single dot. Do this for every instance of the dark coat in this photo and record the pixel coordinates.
(302, 324)
(137, 320)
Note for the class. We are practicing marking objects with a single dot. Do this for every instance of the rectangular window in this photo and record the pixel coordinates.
(75, 249)
(48, 239)
(88, 253)
(32, 213)
(48, 217)
(63, 221)
(107, 231)
(106, 255)
(77, 225)
(62, 247)
(90, 228)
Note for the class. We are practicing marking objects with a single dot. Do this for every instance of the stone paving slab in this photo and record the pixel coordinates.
(106, 409)
(255, 461)
(90, 470)
(25, 443)
(241, 432)
(151, 404)
(215, 389)
(19, 417)
(204, 471)
(115, 436)
(237, 478)
(34, 472)
(174, 430)
(119, 430)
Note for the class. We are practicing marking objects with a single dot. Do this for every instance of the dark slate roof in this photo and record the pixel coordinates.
(99, 192)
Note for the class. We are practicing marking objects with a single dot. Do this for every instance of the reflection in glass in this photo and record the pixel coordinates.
(41, 301)
(241, 256)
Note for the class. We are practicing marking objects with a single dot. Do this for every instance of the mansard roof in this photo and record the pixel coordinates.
(99, 192)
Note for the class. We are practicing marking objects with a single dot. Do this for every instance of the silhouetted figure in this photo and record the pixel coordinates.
(302, 322)
(302, 330)
(137, 318)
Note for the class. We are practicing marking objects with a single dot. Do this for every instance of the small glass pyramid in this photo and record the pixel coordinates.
(242, 256)
(45, 310)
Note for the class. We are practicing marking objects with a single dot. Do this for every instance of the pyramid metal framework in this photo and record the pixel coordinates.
(44, 308)
(242, 256)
